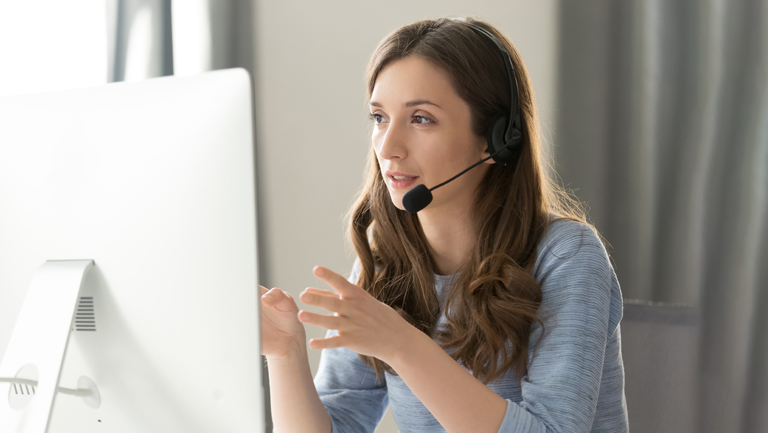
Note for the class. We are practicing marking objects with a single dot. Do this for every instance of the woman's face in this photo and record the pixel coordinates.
(422, 134)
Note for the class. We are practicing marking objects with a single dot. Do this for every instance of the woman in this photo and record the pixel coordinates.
(492, 309)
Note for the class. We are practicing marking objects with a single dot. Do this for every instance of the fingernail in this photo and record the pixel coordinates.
(309, 298)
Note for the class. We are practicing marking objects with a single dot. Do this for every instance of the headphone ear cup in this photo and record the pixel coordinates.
(495, 138)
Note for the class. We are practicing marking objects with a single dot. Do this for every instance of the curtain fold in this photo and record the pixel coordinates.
(140, 39)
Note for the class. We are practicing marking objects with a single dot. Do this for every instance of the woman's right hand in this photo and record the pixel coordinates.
(282, 334)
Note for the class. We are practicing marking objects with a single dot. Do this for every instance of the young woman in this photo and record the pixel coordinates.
(494, 308)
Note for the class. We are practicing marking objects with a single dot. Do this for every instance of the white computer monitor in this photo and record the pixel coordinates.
(146, 191)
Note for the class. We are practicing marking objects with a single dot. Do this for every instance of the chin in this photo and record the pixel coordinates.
(397, 200)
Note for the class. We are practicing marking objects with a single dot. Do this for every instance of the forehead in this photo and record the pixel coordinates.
(413, 78)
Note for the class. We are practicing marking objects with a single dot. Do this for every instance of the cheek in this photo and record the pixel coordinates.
(377, 136)
(452, 156)
(381, 168)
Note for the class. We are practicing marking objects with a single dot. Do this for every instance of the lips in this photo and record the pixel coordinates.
(400, 180)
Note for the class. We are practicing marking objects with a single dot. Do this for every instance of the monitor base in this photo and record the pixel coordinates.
(38, 345)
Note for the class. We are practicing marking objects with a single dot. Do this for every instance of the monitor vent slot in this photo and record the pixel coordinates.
(85, 317)
(23, 389)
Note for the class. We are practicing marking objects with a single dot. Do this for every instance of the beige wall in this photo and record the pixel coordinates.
(312, 126)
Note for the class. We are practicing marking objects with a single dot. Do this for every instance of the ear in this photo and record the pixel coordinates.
(483, 143)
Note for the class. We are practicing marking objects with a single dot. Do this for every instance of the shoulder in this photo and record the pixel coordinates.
(567, 239)
(572, 252)
(564, 235)
(576, 275)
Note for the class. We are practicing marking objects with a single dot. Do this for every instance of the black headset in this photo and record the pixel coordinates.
(504, 134)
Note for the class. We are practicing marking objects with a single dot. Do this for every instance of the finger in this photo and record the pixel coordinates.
(313, 293)
(338, 282)
(327, 322)
(269, 297)
(321, 291)
(264, 290)
(327, 300)
(279, 299)
(326, 343)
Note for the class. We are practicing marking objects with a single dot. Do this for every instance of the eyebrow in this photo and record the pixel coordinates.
(407, 104)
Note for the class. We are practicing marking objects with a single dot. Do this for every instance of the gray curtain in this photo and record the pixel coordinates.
(121, 23)
(663, 132)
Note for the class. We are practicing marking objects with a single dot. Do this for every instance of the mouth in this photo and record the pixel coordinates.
(400, 180)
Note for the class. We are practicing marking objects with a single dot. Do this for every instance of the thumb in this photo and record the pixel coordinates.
(281, 300)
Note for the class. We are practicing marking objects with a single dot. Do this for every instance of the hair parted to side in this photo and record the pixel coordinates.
(494, 300)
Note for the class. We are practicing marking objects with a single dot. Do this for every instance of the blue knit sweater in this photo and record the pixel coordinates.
(575, 379)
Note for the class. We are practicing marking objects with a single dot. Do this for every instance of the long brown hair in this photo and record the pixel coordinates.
(495, 297)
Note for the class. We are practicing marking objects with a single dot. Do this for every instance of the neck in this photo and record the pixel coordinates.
(450, 233)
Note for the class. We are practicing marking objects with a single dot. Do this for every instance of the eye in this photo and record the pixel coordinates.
(377, 118)
(422, 120)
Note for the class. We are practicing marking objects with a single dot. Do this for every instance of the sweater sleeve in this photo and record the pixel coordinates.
(348, 388)
(560, 390)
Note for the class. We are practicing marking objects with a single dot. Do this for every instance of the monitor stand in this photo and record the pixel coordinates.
(38, 345)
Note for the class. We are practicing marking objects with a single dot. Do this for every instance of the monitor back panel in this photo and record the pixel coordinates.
(155, 182)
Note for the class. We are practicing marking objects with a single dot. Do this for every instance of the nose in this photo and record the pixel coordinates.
(391, 143)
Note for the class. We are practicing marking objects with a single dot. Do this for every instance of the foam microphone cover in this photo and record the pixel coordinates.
(417, 198)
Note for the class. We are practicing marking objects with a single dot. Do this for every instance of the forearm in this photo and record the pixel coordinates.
(296, 406)
(459, 401)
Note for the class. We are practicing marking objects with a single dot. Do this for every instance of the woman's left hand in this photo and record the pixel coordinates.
(364, 324)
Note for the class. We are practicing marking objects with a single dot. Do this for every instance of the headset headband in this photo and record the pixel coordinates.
(514, 112)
